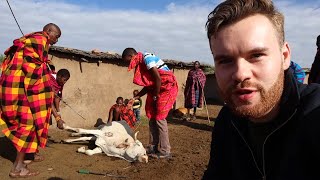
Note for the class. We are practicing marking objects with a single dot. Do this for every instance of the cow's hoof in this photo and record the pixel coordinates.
(81, 149)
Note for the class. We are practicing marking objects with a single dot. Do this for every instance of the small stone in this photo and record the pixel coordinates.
(50, 169)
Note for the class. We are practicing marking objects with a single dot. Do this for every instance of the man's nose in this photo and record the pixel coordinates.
(242, 70)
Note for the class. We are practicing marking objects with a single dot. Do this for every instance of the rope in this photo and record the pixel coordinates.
(64, 102)
(137, 126)
(15, 18)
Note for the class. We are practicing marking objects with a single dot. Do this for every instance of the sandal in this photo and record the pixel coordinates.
(23, 173)
(38, 158)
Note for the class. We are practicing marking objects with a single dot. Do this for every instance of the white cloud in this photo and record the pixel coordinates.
(302, 26)
(175, 33)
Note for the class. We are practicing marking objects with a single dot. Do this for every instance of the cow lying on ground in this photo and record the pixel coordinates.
(115, 140)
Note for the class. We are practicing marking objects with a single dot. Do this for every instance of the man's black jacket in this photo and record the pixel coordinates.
(290, 151)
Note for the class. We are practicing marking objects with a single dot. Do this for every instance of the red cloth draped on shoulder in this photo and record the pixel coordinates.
(26, 95)
(168, 90)
(56, 88)
(196, 80)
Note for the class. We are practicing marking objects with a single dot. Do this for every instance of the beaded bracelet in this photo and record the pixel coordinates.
(58, 118)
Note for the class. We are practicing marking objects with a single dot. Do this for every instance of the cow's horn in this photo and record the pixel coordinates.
(135, 135)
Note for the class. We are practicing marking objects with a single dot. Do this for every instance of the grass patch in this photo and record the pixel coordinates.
(144, 121)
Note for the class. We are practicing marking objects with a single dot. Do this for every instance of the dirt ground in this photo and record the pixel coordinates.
(190, 143)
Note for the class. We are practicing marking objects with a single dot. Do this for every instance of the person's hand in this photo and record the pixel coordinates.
(60, 124)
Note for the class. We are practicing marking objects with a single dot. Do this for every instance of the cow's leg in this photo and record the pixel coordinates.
(80, 131)
(90, 131)
(78, 139)
(75, 134)
(96, 150)
(66, 127)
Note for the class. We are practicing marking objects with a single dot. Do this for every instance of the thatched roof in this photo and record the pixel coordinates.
(95, 56)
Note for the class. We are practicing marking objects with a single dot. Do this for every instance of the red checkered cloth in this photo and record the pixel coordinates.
(195, 81)
(168, 90)
(26, 95)
(127, 114)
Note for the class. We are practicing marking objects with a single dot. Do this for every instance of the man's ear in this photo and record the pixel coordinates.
(286, 55)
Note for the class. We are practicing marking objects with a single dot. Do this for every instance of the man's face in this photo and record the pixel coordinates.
(196, 65)
(62, 80)
(54, 35)
(119, 101)
(128, 58)
(249, 66)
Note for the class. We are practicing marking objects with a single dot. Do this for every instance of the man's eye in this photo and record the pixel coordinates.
(224, 61)
(256, 55)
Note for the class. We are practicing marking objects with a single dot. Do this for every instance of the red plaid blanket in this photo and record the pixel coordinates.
(195, 81)
(26, 95)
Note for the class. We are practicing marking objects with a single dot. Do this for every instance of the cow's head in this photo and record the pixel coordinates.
(136, 151)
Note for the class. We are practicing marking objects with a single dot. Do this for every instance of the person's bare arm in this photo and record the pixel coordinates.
(110, 116)
(57, 117)
(141, 93)
(57, 103)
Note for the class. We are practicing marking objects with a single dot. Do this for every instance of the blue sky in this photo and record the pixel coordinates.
(144, 5)
(172, 29)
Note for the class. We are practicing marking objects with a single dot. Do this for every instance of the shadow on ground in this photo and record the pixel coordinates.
(192, 124)
(7, 150)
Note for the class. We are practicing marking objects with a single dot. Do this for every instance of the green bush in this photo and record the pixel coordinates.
(208, 70)
(1, 58)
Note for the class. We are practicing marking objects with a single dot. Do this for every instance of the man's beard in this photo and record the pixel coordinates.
(268, 99)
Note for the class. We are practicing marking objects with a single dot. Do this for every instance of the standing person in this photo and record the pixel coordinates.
(137, 104)
(314, 76)
(193, 92)
(269, 126)
(160, 85)
(26, 95)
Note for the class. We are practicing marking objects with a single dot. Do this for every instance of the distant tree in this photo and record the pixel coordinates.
(208, 69)
(1, 58)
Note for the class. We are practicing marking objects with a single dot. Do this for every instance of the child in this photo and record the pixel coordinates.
(57, 82)
(137, 105)
(122, 111)
(115, 111)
